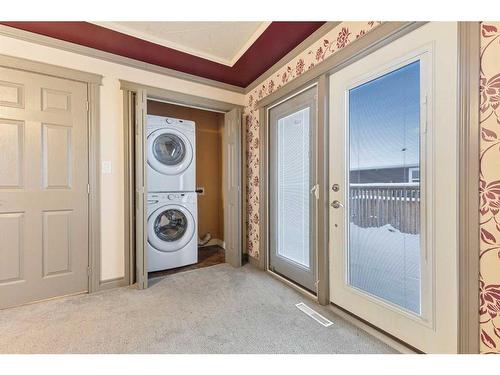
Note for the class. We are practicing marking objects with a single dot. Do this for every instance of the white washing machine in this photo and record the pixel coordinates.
(171, 151)
(172, 230)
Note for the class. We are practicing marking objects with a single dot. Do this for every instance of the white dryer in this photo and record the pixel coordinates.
(171, 151)
(172, 230)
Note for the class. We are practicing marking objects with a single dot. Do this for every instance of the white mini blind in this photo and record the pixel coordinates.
(293, 186)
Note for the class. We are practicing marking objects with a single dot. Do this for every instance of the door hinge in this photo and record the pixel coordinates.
(88, 189)
(87, 106)
(89, 271)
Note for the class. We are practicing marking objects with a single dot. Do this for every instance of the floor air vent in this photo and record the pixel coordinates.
(313, 314)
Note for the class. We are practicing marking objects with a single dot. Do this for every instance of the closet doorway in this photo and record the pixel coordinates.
(214, 205)
(208, 159)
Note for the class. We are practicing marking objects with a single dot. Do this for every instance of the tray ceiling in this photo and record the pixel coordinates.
(235, 53)
(222, 42)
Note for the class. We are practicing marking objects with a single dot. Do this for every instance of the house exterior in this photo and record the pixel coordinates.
(391, 175)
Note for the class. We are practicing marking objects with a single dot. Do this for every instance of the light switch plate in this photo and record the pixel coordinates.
(106, 167)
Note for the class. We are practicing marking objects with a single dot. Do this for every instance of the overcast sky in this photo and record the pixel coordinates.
(384, 120)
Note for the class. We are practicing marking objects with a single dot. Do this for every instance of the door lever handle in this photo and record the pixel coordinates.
(336, 204)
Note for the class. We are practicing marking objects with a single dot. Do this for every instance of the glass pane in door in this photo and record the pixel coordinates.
(292, 167)
(384, 239)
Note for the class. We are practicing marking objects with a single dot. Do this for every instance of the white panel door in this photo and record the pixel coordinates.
(393, 196)
(43, 187)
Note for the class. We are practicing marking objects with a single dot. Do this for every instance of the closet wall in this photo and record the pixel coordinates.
(209, 126)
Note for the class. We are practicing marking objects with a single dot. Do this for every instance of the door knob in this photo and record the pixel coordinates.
(336, 204)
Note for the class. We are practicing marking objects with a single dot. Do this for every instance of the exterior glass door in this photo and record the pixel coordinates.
(393, 176)
(292, 189)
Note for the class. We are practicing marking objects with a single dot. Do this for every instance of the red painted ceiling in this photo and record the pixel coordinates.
(274, 43)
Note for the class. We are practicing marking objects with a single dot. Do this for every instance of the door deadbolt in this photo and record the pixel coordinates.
(336, 204)
(335, 187)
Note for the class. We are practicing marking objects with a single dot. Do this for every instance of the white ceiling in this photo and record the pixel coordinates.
(222, 42)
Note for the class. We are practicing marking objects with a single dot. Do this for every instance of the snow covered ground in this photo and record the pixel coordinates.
(386, 263)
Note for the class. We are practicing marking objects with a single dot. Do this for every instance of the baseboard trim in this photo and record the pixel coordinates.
(113, 283)
(45, 300)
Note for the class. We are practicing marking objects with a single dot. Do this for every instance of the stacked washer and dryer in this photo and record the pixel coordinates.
(172, 200)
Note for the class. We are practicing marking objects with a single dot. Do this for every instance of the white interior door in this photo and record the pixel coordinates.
(43, 187)
(232, 187)
(393, 177)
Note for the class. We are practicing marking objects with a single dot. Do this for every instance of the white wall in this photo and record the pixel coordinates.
(111, 117)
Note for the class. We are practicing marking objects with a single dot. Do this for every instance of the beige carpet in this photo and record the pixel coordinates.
(217, 309)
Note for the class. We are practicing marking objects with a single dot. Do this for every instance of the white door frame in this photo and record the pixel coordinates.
(93, 82)
(135, 254)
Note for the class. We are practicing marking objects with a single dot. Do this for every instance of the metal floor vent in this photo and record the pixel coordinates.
(313, 314)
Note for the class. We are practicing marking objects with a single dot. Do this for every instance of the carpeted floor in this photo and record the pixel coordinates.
(216, 309)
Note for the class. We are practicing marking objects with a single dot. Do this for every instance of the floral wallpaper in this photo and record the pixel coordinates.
(490, 188)
(336, 39)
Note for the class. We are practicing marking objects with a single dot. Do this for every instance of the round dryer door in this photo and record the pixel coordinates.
(169, 151)
(170, 228)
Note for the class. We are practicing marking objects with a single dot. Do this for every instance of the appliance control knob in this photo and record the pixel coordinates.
(171, 196)
(168, 120)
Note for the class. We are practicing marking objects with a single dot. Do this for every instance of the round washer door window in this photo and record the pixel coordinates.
(170, 225)
(169, 151)
(170, 228)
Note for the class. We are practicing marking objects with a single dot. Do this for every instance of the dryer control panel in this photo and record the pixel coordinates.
(173, 197)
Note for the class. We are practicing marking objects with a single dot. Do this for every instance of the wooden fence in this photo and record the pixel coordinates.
(376, 205)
